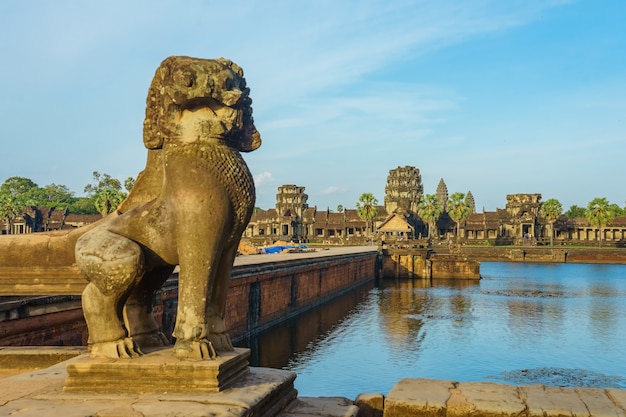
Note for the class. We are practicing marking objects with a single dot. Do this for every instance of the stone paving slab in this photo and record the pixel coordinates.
(552, 401)
(26, 384)
(618, 396)
(490, 398)
(370, 405)
(418, 397)
(599, 403)
(437, 398)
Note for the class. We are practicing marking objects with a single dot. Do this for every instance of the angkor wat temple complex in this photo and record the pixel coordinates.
(520, 222)
(45, 219)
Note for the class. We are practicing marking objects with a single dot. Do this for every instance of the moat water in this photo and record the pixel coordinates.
(553, 324)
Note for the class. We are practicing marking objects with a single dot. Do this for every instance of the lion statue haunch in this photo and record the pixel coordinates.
(189, 207)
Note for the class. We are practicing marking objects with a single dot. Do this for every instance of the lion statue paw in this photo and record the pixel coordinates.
(151, 339)
(221, 342)
(118, 349)
(195, 349)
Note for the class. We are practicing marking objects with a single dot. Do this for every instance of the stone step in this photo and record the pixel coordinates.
(321, 407)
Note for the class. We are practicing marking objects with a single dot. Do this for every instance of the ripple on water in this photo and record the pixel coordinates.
(563, 377)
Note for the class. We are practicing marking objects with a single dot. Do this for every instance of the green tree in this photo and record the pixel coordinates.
(551, 210)
(24, 188)
(429, 209)
(107, 200)
(11, 206)
(129, 183)
(575, 212)
(56, 196)
(616, 209)
(459, 209)
(15, 194)
(340, 208)
(102, 182)
(19, 186)
(82, 205)
(106, 193)
(599, 214)
(366, 209)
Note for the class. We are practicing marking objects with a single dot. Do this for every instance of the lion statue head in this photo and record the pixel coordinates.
(190, 84)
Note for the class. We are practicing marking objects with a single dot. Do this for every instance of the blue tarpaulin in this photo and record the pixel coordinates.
(279, 249)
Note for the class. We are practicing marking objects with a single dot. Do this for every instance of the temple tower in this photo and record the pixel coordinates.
(291, 201)
(442, 194)
(470, 201)
(524, 212)
(404, 189)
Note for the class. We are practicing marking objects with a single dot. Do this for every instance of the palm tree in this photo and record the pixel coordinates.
(429, 209)
(459, 209)
(599, 214)
(366, 209)
(107, 200)
(551, 210)
(11, 206)
(106, 192)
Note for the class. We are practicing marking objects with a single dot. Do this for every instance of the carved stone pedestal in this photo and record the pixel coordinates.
(156, 385)
(157, 372)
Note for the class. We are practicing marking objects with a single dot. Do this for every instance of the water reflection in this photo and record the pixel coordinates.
(531, 318)
(555, 322)
(405, 306)
(275, 348)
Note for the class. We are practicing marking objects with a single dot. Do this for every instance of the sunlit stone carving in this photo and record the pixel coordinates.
(189, 207)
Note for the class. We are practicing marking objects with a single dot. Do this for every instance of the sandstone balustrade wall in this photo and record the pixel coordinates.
(546, 254)
(400, 263)
(260, 296)
(42, 321)
(263, 295)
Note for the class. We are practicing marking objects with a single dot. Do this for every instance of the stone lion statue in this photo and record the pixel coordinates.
(189, 207)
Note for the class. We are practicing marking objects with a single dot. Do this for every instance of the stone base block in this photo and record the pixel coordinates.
(261, 392)
(157, 372)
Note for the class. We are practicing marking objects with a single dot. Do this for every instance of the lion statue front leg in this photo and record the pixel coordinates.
(205, 266)
(191, 331)
(215, 317)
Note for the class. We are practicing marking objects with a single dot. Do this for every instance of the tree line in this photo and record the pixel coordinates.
(599, 212)
(106, 193)
(102, 196)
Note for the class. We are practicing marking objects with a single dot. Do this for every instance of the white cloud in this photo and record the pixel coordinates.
(263, 178)
(333, 189)
(352, 90)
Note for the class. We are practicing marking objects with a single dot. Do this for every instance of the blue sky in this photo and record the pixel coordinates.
(496, 97)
